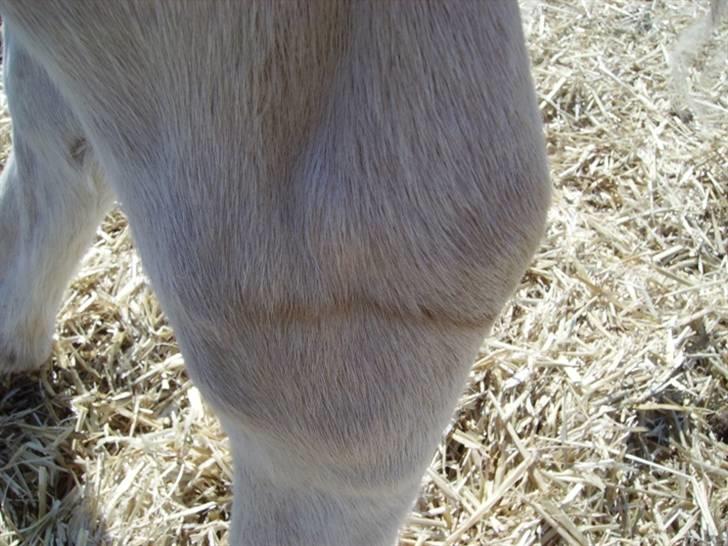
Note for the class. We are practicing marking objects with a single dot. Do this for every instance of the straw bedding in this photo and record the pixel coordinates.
(598, 410)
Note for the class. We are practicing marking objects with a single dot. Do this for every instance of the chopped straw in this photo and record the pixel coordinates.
(597, 412)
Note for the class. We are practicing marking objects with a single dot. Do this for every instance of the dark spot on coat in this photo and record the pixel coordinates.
(78, 149)
(427, 313)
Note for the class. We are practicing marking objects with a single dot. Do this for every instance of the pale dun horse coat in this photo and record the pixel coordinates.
(332, 199)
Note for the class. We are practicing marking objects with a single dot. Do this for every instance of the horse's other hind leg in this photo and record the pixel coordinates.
(51, 200)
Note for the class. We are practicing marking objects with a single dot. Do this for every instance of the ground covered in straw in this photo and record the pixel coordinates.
(598, 413)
